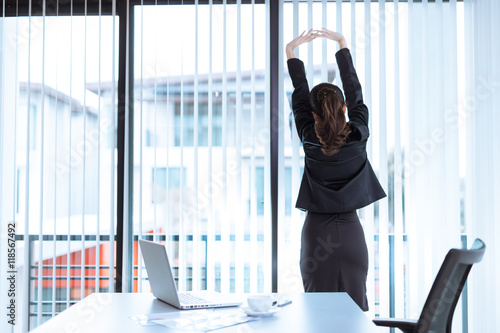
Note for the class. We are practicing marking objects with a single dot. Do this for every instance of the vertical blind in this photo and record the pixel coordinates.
(57, 154)
(200, 134)
(433, 159)
(415, 70)
(480, 111)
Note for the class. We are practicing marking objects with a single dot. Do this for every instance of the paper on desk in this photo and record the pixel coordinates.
(195, 320)
(145, 319)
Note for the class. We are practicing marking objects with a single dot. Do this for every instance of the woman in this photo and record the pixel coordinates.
(338, 178)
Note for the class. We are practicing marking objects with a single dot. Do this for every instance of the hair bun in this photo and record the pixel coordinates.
(318, 94)
(321, 95)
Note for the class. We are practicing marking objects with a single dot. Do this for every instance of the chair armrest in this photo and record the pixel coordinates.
(406, 325)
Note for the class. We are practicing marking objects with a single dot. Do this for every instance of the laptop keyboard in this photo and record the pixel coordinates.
(187, 299)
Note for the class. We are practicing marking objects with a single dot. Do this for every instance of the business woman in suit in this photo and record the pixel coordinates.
(338, 178)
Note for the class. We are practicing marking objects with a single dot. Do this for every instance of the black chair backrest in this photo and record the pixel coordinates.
(439, 307)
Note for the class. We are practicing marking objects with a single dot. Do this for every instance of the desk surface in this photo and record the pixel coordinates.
(309, 312)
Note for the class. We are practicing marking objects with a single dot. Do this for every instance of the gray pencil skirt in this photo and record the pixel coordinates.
(334, 256)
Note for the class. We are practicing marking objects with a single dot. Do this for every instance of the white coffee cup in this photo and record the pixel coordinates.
(261, 303)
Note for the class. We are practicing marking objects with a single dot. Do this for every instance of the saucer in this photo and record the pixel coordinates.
(251, 313)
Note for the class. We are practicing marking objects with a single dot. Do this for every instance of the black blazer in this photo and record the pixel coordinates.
(344, 181)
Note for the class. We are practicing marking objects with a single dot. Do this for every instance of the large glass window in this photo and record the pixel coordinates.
(200, 116)
(58, 171)
(188, 128)
(197, 149)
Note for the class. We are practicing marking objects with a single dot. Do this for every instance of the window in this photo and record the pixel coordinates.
(61, 173)
(197, 173)
(160, 181)
(203, 115)
(188, 126)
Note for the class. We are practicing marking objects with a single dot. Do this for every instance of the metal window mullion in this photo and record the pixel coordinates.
(194, 214)
(253, 191)
(225, 242)
(399, 282)
(277, 162)
(210, 223)
(125, 154)
(113, 144)
(274, 16)
(42, 152)
(128, 160)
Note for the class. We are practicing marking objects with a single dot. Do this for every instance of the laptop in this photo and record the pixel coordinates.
(163, 284)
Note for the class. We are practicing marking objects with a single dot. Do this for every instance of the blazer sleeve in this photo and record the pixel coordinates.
(357, 110)
(304, 120)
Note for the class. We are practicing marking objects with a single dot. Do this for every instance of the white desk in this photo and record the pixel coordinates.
(308, 313)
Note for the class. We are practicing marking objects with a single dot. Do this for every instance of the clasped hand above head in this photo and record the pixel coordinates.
(306, 37)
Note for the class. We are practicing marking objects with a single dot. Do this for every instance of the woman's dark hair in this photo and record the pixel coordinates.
(332, 128)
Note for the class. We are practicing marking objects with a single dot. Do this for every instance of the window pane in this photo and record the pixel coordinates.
(58, 179)
(198, 112)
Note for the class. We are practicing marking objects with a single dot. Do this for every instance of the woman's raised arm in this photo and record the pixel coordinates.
(338, 37)
(356, 108)
(303, 38)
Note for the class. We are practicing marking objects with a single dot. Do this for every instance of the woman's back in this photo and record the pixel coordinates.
(344, 181)
(337, 169)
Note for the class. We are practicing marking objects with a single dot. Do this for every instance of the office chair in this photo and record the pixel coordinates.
(437, 314)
